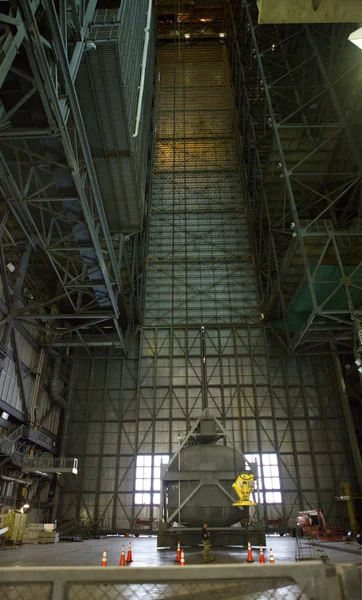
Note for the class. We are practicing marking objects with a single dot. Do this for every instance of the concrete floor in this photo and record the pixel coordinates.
(145, 553)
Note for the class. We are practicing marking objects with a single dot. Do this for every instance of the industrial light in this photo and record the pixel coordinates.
(222, 35)
(358, 362)
(187, 36)
(5, 415)
(360, 369)
(11, 267)
(356, 37)
(26, 506)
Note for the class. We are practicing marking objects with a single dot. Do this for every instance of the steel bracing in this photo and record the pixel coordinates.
(88, 292)
(199, 264)
(197, 322)
(73, 197)
(295, 90)
(266, 400)
(202, 344)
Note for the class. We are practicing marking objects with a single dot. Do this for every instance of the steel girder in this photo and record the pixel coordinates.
(91, 278)
(295, 93)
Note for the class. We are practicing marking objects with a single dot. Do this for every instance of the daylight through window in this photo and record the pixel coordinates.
(268, 484)
(148, 478)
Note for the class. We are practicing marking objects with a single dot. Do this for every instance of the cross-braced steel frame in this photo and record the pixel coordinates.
(296, 90)
(89, 291)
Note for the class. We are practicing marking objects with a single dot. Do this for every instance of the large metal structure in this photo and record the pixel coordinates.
(197, 486)
(203, 344)
(73, 166)
(295, 93)
(240, 271)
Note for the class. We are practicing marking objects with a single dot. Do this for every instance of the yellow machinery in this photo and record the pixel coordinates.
(244, 486)
(349, 497)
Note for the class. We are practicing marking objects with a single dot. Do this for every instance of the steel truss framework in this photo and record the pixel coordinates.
(200, 266)
(296, 91)
(196, 350)
(266, 400)
(89, 290)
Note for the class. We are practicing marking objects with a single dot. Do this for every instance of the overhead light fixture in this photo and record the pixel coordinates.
(5, 415)
(360, 369)
(356, 37)
(10, 267)
(187, 36)
(358, 362)
(222, 35)
(26, 506)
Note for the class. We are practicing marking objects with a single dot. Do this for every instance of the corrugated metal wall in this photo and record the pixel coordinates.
(48, 414)
(208, 348)
(108, 87)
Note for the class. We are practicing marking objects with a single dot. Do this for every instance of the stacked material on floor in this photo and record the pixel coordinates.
(48, 535)
(31, 532)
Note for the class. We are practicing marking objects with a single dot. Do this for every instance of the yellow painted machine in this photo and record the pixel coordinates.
(244, 486)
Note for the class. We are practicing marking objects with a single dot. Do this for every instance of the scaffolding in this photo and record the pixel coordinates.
(200, 265)
(295, 91)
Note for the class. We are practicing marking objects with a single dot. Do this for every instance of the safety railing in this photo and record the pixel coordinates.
(8, 442)
(49, 464)
(241, 582)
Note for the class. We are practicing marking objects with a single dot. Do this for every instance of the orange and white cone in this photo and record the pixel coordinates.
(178, 553)
(182, 559)
(250, 554)
(104, 558)
(129, 558)
(271, 556)
(122, 560)
(261, 557)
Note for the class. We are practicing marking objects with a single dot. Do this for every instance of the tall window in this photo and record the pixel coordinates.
(148, 478)
(268, 485)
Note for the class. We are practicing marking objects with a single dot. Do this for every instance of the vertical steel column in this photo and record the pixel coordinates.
(275, 428)
(153, 443)
(309, 434)
(294, 445)
(118, 448)
(171, 345)
(137, 409)
(80, 498)
(96, 515)
(205, 401)
(356, 454)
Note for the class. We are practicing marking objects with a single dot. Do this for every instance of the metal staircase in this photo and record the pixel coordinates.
(39, 465)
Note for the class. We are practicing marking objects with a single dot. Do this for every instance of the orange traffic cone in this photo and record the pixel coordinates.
(182, 559)
(250, 554)
(271, 556)
(104, 558)
(122, 561)
(261, 557)
(178, 553)
(129, 558)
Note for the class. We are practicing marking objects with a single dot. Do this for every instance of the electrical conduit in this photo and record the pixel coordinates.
(143, 71)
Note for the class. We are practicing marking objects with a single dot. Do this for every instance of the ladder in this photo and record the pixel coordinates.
(309, 549)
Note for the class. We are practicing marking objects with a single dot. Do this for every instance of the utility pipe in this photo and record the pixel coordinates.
(64, 438)
(143, 71)
(14, 480)
(35, 399)
(54, 386)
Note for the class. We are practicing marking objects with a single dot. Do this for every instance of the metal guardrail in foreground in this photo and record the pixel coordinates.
(290, 581)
